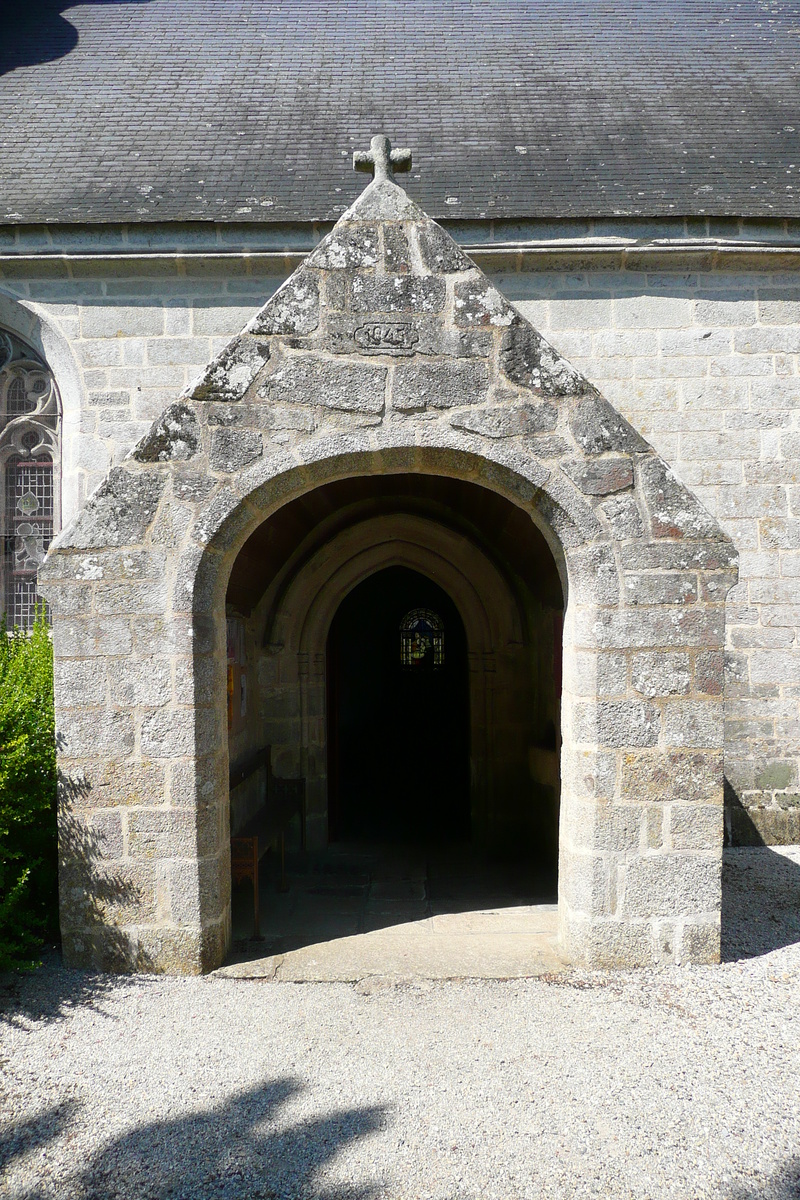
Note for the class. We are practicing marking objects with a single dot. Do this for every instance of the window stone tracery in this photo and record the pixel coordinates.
(29, 473)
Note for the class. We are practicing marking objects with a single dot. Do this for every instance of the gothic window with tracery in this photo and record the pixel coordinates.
(30, 473)
(421, 640)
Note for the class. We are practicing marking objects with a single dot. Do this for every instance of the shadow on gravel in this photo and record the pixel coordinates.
(231, 1151)
(25, 1136)
(784, 1185)
(52, 991)
(760, 900)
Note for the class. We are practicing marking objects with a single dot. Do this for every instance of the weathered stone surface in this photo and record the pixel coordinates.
(439, 252)
(312, 379)
(69, 599)
(141, 683)
(598, 428)
(346, 249)
(159, 834)
(586, 886)
(679, 556)
(496, 422)
(111, 782)
(192, 486)
(664, 587)
(618, 723)
(231, 373)
(624, 517)
(106, 835)
(589, 773)
(592, 674)
(762, 825)
(398, 293)
(677, 776)
(603, 476)
(661, 674)
(418, 386)
(672, 884)
(281, 417)
(611, 944)
(547, 447)
(403, 336)
(692, 625)
(619, 828)
(695, 826)
(477, 302)
(529, 361)
(119, 512)
(700, 943)
(596, 579)
(396, 251)
(86, 732)
(233, 449)
(695, 723)
(674, 511)
(225, 415)
(89, 638)
(174, 436)
(379, 335)
(136, 599)
(81, 683)
(294, 309)
(168, 735)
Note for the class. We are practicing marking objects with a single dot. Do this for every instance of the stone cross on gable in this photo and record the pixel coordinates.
(381, 159)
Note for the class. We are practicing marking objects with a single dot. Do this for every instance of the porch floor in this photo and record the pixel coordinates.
(405, 912)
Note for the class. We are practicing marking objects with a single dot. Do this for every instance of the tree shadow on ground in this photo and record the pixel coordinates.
(36, 32)
(760, 896)
(241, 1148)
(784, 1185)
(52, 991)
(22, 1137)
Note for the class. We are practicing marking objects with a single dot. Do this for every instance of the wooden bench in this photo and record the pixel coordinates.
(283, 800)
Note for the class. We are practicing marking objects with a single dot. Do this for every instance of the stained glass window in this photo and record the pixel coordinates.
(421, 640)
(29, 469)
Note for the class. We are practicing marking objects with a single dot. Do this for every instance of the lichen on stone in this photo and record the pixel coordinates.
(230, 374)
(119, 513)
(529, 361)
(294, 309)
(174, 436)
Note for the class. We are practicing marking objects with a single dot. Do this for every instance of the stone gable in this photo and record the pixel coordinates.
(389, 351)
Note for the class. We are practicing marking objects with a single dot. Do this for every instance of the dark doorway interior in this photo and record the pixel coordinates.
(398, 705)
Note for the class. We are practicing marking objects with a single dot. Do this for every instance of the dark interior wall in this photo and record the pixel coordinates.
(517, 694)
(246, 728)
(505, 531)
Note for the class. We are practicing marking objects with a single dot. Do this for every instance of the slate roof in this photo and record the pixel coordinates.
(248, 110)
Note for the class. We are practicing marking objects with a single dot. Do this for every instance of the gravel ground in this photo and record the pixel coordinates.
(683, 1082)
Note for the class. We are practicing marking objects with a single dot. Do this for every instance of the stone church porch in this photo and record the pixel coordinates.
(389, 355)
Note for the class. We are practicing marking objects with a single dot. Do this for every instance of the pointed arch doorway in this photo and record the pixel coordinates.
(407, 642)
(398, 714)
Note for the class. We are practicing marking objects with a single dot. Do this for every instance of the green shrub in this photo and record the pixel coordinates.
(28, 855)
